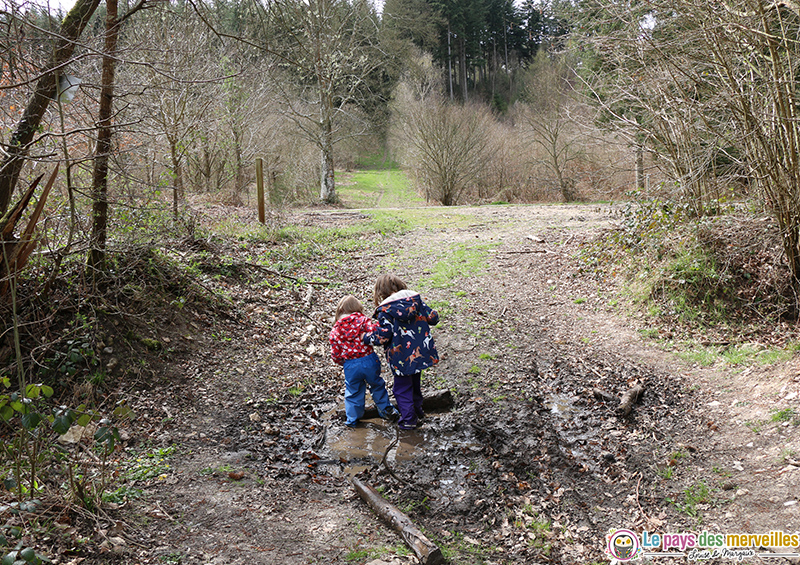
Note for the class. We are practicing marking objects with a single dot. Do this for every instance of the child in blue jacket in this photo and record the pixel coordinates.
(405, 333)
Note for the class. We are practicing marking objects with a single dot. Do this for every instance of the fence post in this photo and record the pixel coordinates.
(260, 185)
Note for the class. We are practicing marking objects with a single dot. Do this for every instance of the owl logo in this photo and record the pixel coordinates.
(623, 545)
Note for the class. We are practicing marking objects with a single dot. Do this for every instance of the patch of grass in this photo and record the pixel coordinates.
(474, 370)
(773, 356)
(455, 545)
(698, 493)
(541, 527)
(385, 188)
(703, 356)
(150, 465)
(740, 354)
(413, 505)
(666, 473)
(460, 261)
(486, 356)
(782, 415)
(755, 427)
(579, 301)
(222, 470)
(444, 308)
(359, 555)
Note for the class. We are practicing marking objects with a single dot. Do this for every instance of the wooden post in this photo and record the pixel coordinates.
(427, 552)
(260, 185)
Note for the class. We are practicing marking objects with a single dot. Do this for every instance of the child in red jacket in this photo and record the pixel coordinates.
(405, 334)
(361, 365)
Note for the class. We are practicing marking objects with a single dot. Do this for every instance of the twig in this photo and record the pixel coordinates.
(385, 463)
(277, 274)
(524, 251)
(385, 453)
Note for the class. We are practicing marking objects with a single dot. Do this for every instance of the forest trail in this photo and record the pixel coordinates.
(530, 466)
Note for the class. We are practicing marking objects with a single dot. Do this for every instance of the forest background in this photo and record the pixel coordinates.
(685, 109)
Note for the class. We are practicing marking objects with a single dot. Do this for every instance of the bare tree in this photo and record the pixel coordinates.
(727, 90)
(547, 116)
(21, 140)
(446, 146)
(329, 49)
(178, 76)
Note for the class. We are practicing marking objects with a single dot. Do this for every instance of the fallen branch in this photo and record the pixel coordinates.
(426, 551)
(602, 395)
(629, 399)
(432, 402)
(291, 278)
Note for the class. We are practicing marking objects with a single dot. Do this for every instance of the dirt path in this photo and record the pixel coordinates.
(530, 466)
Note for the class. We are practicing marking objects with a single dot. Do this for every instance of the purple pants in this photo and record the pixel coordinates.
(407, 391)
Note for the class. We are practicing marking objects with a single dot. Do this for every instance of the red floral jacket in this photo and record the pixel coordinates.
(345, 337)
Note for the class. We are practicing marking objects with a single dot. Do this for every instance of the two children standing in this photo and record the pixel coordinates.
(402, 325)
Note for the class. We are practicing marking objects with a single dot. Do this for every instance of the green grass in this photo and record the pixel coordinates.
(737, 355)
(698, 493)
(666, 473)
(782, 415)
(703, 356)
(459, 261)
(384, 188)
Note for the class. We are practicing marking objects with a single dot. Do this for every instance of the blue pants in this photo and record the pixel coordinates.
(407, 391)
(358, 373)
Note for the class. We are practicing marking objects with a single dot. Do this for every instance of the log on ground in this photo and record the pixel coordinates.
(426, 551)
(629, 399)
(435, 401)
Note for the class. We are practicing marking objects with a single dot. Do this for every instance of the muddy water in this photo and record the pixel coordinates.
(368, 442)
(576, 439)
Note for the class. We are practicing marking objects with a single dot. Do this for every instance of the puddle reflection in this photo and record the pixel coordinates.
(370, 440)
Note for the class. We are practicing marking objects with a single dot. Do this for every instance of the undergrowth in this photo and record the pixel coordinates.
(722, 277)
(69, 338)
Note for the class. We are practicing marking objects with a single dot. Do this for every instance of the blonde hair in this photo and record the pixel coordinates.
(347, 305)
(385, 286)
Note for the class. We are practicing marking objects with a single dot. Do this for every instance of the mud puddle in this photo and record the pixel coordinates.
(354, 450)
(577, 440)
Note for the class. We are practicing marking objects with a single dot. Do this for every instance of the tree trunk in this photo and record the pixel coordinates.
(327, 191)
(449, 63)
(17, 149)
(328, 185)
(97, 254)
(462, 64)
(177, 171)
(639, 168)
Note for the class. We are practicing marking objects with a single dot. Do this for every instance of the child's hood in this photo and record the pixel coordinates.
(351, 326)
(404, 305)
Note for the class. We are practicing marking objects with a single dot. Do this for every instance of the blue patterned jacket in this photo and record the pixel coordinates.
(405, 333)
